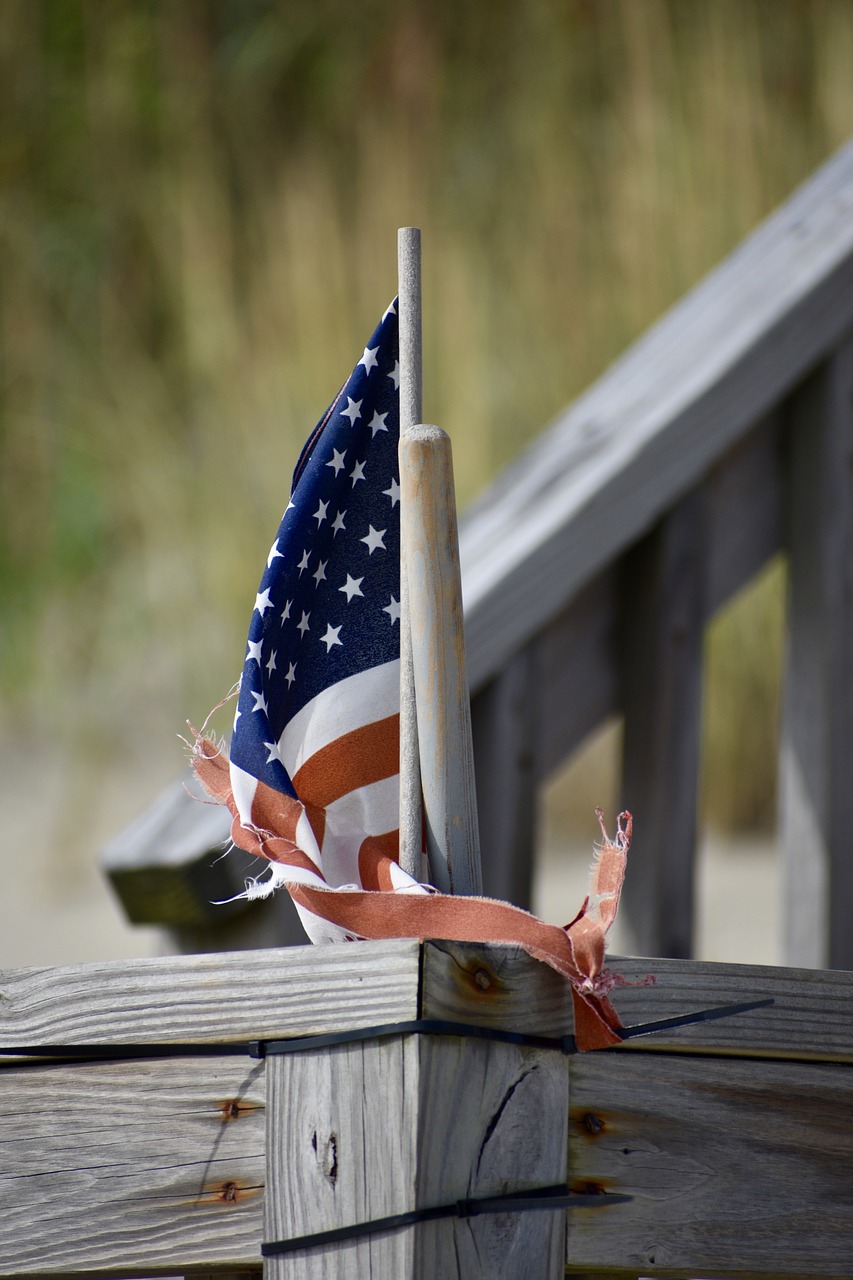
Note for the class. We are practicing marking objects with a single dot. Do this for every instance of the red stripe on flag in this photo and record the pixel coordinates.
(366, 755)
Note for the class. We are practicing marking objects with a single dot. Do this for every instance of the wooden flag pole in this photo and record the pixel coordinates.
(436, 755)
(428, 508)
(411, 412)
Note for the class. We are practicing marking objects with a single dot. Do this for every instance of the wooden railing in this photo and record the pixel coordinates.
(591, 568)
(724, 1141)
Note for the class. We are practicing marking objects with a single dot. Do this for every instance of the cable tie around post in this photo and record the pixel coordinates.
(541, 1199)
(83, 1054)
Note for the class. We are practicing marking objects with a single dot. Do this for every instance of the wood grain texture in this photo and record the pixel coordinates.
(734, 1137)
(428, 513)
(367, 1131)
(487, 1128)
(342, 1147)
(492, 1131)
(816, 747)
(811, 1017)
(118, 1169)
(659, 419)
(376, 1129)
(494, 986)
(242, 995)
(735, 1168)
(662, 626)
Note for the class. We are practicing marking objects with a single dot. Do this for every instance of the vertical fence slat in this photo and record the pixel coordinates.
(661, 639)
(816, 745)
(505, 730)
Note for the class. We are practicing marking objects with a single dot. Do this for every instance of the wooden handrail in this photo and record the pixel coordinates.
(593, 564)
(659, 419)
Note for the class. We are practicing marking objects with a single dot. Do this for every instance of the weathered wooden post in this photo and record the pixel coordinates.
(816, 745)
(435, 709)
(373, 1130)
(411, 412)
(428, 514)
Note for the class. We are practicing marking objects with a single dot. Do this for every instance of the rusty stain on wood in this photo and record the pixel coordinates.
(232, 1191)
(231, 1109)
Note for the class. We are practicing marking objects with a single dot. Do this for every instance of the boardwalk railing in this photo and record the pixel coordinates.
(727, 1138)
(591, 568)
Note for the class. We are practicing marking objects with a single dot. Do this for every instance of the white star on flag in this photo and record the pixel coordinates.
(352, 411)
(374, 540)
(331, 637)
(368, 360)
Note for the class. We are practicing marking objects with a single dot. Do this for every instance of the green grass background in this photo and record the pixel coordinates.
(198, 212)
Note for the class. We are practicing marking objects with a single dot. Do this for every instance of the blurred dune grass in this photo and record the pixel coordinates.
(198, 207)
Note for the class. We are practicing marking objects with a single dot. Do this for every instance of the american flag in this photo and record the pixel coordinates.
(318, 714)
(313, 778)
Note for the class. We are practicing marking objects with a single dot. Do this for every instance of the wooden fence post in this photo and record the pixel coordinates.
(816, 746)
(661, 637)
(504, 724)
(366, 1131)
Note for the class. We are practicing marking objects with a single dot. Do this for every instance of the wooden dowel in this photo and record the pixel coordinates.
(411, 412)
(428, 515)
(409, 288)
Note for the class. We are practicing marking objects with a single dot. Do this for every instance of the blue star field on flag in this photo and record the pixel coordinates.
(328, 603)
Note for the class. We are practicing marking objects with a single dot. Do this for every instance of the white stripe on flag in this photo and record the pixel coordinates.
(367, 811)
(338, 710)
(243, 787)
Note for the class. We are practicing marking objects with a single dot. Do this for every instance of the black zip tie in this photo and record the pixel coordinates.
(74, 1054)
(70, 1055)
(418, 1026)
(538, 1199)
(685, 1019)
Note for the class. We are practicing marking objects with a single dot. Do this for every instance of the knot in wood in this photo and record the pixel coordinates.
(482, 979)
